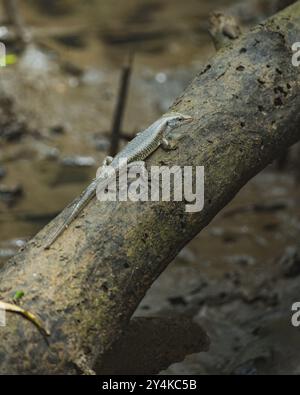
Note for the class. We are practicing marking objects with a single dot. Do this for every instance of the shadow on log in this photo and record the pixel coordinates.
(246, 109)
(150, 345)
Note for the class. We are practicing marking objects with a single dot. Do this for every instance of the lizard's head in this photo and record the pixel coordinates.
(177, 119)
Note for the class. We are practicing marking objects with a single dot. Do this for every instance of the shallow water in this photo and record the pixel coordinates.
(229, 279)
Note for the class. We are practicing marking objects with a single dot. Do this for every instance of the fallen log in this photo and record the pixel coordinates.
(246, 109)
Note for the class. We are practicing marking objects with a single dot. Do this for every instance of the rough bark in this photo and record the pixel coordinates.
(246, 109)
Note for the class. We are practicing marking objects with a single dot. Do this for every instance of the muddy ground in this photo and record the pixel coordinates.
(236, 281)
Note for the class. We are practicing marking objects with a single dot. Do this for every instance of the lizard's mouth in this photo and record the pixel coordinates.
(188, 120)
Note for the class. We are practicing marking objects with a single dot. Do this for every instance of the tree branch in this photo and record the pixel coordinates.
(246, 109)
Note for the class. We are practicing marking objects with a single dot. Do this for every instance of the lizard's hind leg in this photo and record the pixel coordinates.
(108, 160)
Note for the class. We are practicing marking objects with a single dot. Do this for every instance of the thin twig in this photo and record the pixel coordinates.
(120, 107)
(26, 314)
(223, 29)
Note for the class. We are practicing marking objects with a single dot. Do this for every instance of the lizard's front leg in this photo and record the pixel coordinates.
(170, 144)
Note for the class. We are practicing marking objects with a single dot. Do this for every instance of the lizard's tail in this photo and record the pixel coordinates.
(98, 184)
(82, 202)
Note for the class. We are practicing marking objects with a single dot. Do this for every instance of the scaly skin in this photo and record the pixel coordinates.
(140, 148)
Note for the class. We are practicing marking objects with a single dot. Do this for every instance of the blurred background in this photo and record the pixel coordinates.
(82, 78)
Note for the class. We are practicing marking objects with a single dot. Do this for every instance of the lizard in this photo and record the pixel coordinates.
(138, 149)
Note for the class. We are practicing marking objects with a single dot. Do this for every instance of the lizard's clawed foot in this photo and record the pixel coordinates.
(169, 145)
